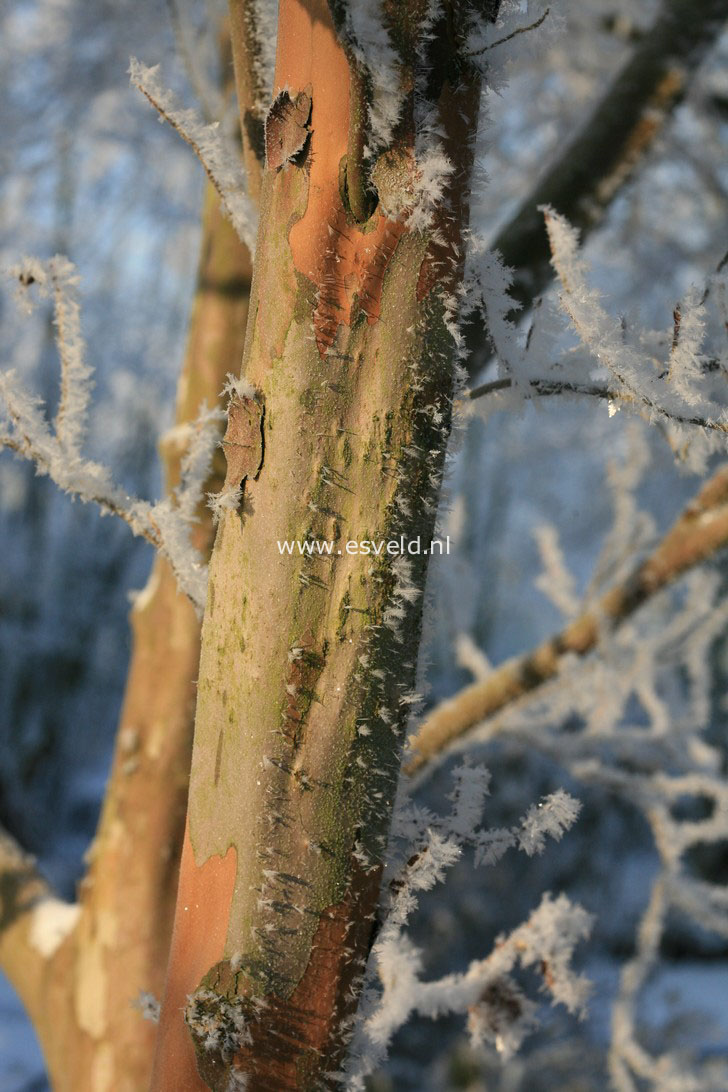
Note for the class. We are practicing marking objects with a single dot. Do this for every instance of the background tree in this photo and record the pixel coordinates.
(629, 745)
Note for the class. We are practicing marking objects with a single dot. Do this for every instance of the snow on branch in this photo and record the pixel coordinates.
(367, 37)
(423, 847)
(486, 285)
(223, 165)
(697, 535)
(497, 1010)
(414, 827)
(56, 450)
(682, 392)
(634, 722)
(547, 388)
(556, 582)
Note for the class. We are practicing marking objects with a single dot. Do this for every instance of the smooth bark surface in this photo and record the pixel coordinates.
(308, 662)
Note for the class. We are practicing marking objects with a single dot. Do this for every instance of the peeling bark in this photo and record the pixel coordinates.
(308, 662)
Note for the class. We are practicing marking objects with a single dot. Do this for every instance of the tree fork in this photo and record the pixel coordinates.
(308, 662)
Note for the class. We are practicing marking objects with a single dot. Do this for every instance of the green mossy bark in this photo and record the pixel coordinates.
(281, 770)
(309, 662)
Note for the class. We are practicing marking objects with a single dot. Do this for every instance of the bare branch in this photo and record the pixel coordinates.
(700, 532)
(547, 387)
(514, 34)
(593, 168)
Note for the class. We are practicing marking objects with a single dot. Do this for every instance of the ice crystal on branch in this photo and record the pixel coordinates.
(637, 715)
(218, 156)
(56, 450)
(148, 1005)
(681, 394)
(370, 44)
(423, 847)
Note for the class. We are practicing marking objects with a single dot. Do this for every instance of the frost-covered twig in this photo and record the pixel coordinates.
(672, 392)
(415, 830)
(56, 452)
(700, 531)
(59, 279)
(675, 887)
(223, 165)
(633, 722)
(591, 170)
(423, 847)
(548, 387)
(556, 581)
(497, 1009)
(601, 335)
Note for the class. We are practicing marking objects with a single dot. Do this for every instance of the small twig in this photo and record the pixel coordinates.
(27, 451)
(697, 535)
(222, 163)
(185, 136)
(513, 34)
(547, 387)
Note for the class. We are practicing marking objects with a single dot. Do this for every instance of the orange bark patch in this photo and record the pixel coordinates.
(349, 273)
(298, 1036)
(346, 265)
(198, 942)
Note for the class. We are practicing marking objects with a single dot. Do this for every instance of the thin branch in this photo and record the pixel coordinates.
(594, 167)
(547, 387)
(513, 34)
(187, 137)
(700, 532)
(210, 100)
(223, 167)
(166, 525)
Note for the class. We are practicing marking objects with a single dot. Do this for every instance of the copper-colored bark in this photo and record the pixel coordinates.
(293, 1033)
(304, 670)
(198, 942)
(81, 995)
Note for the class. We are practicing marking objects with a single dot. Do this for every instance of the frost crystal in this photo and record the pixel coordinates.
(219, 158)
(148, 1006)
(423, 847)
(56, 451)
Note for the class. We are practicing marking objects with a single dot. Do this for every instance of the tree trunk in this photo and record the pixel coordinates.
(80, 991)
(308, 662)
